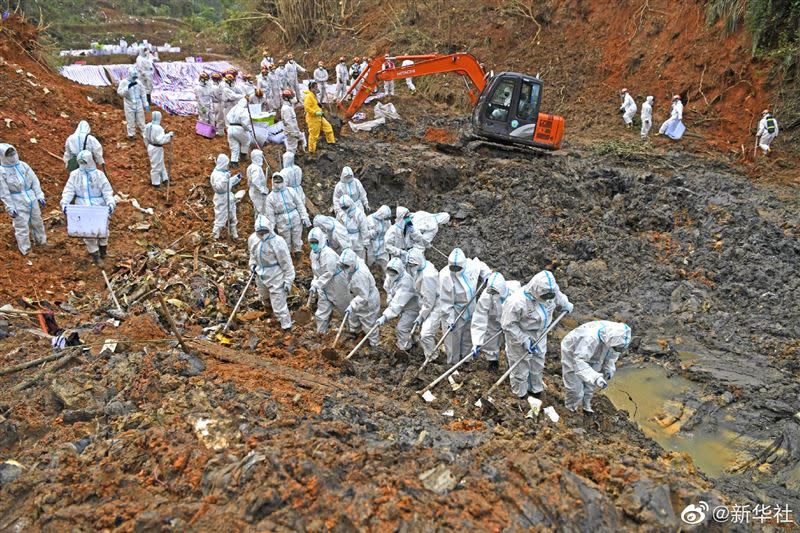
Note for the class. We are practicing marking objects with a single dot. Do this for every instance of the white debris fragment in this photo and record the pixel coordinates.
(551, 414)
(428, 396)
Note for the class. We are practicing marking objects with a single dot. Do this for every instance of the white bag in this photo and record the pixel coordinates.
(87, 221)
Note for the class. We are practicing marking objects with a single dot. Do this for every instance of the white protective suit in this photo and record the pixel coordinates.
(224, 202)
(588, 360)
(330, 283)
(355, 221)
(402, 236)
(134, 102)
(321, 77)
(647, 116)
(388, 85)
(767, 131)
(628, 108)
(231, 96)
(337, 235)
(204, 92)
(262, 82)
(239, 139)
(275, 89)
(287, 212)
(409, 81)
(426, 285)
(145, 68)
(22, 197)
(488, 312)
(155, 139)
(427, 224)
(272, 264)
(290, 128)
(257, 182)
(217, 109)
(366, 302)
(525, 316)
(342, 80)
(401, 301)
(351, 186)
(291, 71)
(83, 140)
(89, 186)
(456, 289)
(675, 116)
(378, 224)
(293, 176)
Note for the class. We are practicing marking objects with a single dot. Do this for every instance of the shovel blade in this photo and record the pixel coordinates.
(303, 316)
(331, 354)
(428, 396)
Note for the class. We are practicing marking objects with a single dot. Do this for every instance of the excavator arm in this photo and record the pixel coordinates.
(463, 64)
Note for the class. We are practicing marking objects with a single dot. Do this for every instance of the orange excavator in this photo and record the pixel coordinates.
(506, 104)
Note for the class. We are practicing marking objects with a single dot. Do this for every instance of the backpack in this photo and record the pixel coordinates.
(72, 164)
(770, 125)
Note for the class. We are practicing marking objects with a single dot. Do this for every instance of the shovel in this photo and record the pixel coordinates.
(425, 393)
(360, 344)
(487, 394)
(169, 172)
(438, 251)
(446, 333)
(304, 314)
(238, 303)
(330, 353)
(118, 313)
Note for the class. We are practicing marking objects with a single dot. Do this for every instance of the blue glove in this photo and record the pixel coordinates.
(287, 287)
(253, 269)
(110, 210)
(451, 326)
(607, 374)
(64, 209)
(147, 108)
(132, 83)
(381, 321)
(568, 307)
(476, 350)
(13, 214)
(600, 383)
(42, 202)
(531, 347)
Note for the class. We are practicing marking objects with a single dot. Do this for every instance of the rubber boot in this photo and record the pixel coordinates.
(103, 252)
(96, 259)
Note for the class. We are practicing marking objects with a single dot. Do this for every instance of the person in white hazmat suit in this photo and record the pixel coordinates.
(409, 81)
(257, 182)
(458, 283)
(426, 285)
(82, 139)
(526, 314)
(342, 79)
(287, 212)
(337, 235)
(355, 221)
(486, 319)
(292, 70)
(378, 224)
(321, 77)
(589, 356)
(217, 107)
(647, 116)
(767, 131)
(675, 115)
(231, 95)
(351, 186)
(203, 92)
(427, 224)
(271, 263)
(146, 68)
(22, 198)
(89, 186)
(293, 176)
(290, 127)
(365, 303)
(239, 139)
(224, 201)
(628, 108)
(134, 102)
(402, 236)
(330, 284)
(401, 301)
(154, 140)
(276, 88)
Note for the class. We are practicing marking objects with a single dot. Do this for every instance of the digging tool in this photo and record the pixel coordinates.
(113, 296)
(449, 330)
(452, 369)
(252, 128)
(755, 149)
(171, 321)
(360, 344)
(341, 327)
(169, 172)
(304, 314)
(239, 302)
(438, 251)
(507, 373)
(330, 353)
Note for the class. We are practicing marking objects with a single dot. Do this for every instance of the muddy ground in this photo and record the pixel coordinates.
(264, 433)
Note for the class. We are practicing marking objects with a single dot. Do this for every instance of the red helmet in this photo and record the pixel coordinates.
(288, 93)
(259, 93)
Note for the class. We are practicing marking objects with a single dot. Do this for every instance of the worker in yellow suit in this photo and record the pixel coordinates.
(315, 120)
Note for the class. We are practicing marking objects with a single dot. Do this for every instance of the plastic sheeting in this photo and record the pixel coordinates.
(93, 75)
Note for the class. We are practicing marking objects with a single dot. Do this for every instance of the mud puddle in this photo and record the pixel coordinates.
(657, 403)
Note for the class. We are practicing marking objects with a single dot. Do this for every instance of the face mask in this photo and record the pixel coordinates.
(455, 268)
(407, 220)
(548, 296)
(492, 291)
(315, 246)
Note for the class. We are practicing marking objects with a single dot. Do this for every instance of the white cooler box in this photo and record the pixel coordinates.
(87, 221)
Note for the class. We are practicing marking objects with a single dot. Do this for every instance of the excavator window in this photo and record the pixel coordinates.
(500, 100)
(528, 106)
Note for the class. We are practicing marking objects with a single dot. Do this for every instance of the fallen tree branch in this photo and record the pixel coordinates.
(28, 364)
(58, 365)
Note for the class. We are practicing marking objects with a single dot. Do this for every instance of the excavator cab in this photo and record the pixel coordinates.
(508, 111)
